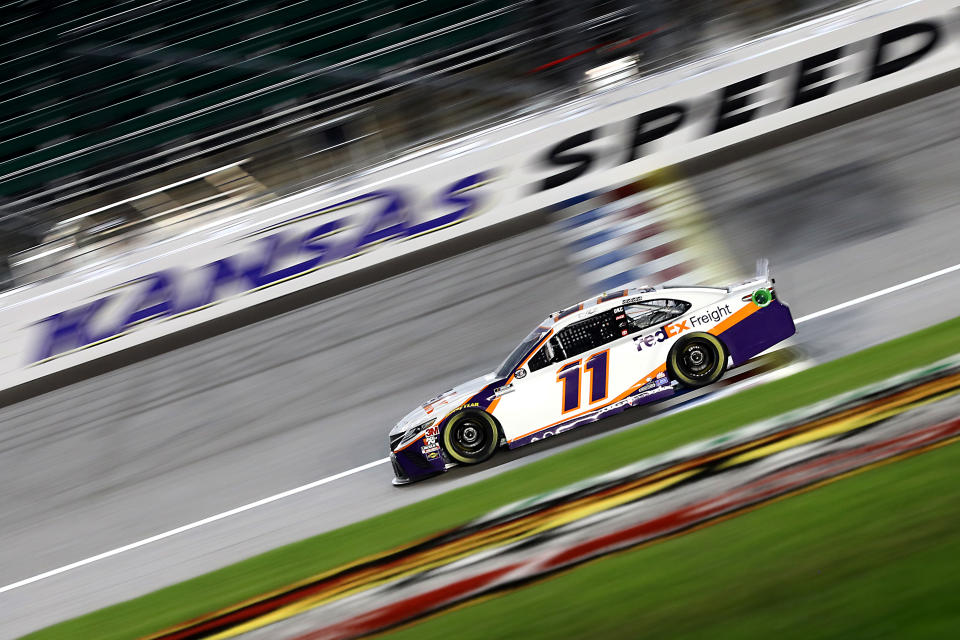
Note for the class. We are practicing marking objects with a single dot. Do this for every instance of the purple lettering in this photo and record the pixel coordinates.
(222, 273)
(67, 330)
(156, 299)
(389, 222)
(458, 194)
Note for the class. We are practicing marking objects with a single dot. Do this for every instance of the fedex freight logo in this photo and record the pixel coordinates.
(715, 315)
(675, 329)
(269, 256)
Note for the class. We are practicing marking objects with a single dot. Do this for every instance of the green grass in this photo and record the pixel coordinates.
(871, 556)
(303, 559)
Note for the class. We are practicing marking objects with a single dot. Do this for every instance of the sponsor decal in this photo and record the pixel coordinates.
(676, 328)
(430, 440)
(436, 404)
(722, 311)
(502, 391)
(644, 394)
(471, 405)
(660, 335)
(638, 299)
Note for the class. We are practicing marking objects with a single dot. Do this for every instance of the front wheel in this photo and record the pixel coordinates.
(470, 437)
(697, 360)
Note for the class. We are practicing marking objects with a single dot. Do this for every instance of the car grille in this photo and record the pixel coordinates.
(397, 470)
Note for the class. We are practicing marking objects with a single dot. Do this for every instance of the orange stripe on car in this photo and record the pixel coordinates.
(422, 433)
(496, 401)
(734, 319)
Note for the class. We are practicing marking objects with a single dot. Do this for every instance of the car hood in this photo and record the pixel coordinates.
(440, 405)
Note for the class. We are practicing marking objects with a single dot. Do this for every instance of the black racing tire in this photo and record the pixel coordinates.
(470, 437)
(697, 360)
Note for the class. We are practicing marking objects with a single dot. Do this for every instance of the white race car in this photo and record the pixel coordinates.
(589, 361)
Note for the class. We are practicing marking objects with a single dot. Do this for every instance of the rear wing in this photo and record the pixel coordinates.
(761, 279)
(763, 269)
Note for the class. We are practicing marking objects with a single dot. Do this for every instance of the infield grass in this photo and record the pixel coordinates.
(301, 560)
(874, 555)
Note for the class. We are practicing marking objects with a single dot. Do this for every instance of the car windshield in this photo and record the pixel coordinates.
(513, 360)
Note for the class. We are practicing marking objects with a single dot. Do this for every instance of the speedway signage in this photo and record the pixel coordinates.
(495, 175)
(274, 254)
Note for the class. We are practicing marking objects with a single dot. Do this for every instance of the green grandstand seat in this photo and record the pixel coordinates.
(89, 110)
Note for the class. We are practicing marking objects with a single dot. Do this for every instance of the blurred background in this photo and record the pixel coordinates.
(126, 124)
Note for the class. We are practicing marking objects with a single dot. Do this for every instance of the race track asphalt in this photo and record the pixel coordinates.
(285, 402)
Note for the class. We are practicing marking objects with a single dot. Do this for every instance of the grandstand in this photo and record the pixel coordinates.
(124, 121)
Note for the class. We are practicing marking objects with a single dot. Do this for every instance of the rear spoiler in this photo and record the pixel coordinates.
(763, 269)
(762, 278)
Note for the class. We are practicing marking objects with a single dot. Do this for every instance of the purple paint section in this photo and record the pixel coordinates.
(485, 396)
(411, 464)
(758, 331)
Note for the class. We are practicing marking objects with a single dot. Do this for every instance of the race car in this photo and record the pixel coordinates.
(589, 361)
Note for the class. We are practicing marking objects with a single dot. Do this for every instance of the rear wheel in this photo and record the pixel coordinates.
(471, 437)
(697, 360)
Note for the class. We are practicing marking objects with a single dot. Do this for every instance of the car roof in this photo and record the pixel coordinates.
(609, 299)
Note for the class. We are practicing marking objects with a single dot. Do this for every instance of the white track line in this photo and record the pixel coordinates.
(877, 294)
(192, 525)
(370, 465)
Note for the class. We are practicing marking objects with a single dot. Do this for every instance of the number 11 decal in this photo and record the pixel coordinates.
(598, 366)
